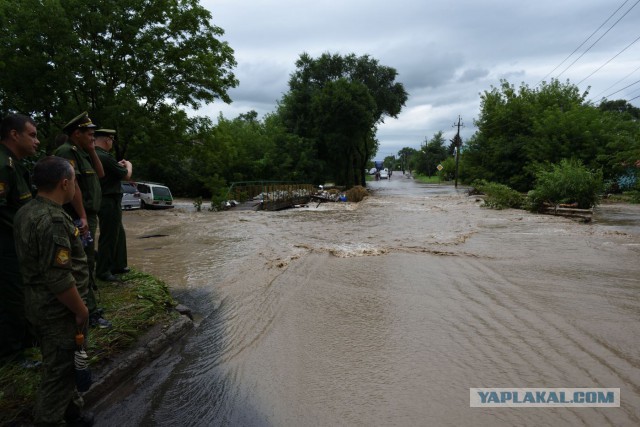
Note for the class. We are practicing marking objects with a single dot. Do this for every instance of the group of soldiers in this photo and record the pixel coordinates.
(48, 262)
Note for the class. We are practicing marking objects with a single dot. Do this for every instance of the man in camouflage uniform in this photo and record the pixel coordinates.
(112, 245)
(18, 139)
(56, 278)
(79, 150)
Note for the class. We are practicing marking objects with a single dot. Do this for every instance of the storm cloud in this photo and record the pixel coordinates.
(446, 53)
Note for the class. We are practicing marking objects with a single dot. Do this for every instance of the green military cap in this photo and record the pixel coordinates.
(80, 121)
(106, 132)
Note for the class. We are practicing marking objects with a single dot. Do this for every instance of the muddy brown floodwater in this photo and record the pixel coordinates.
(386, 312)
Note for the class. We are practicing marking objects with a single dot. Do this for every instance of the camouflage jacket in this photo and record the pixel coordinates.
(51, 258)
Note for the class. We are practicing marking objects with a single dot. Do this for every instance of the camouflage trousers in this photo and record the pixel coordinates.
(57, 397)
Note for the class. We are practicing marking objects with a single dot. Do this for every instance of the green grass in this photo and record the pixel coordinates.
(435, 179)
(133, 307)
(626, 197)
(499, 196)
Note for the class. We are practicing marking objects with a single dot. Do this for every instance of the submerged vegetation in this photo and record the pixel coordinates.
(568, 183)
(499, 196)
(356, 194)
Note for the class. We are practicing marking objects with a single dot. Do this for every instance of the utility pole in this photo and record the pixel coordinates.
(458, 141)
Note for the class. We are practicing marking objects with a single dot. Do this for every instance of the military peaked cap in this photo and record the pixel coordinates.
(106, 132)
(82, 121)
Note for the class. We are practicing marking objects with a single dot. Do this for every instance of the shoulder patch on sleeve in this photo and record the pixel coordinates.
(62, 258)
(73, 163)
(3, 188)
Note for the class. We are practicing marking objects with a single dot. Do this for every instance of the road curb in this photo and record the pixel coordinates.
(112, 374)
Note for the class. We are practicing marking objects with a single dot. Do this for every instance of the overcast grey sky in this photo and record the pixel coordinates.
(446, 52)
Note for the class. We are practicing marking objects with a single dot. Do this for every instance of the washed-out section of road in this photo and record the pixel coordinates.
(387, 312)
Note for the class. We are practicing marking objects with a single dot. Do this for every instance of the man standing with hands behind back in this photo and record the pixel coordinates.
(80, 151)
(55, 276)
(112, 244)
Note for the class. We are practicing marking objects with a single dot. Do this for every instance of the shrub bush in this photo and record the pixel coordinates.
(218, 200)
(356, 193)
(634, 196)
(499, 196)
(197, 203)
(567, 182)
(634, 193)
(448, 172)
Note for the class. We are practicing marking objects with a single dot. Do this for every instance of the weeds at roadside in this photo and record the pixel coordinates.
(356, 194)
(499, 196)
(132, 306)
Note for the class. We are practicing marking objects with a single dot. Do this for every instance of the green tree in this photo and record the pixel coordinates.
(390, 162)
(250, 156)
(342, 112)
(448, 172)
(568, 181)
(520, 129)
(406, 155)
(623, 149)
(306, 110)
(295, 158)
(128, 62)
(162, 147)
(621, 106)
(431, 154)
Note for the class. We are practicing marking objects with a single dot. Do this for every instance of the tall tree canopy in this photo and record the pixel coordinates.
(431, 153)
(519, 129)
(334, 104)
(129, 62)
(406, 156)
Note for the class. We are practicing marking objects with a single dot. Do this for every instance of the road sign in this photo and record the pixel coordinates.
(439, 167)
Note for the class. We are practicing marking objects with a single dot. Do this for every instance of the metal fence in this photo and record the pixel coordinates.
(270, 195)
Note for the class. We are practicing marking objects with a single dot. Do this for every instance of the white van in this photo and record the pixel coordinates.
(154, 195)
(130, 196)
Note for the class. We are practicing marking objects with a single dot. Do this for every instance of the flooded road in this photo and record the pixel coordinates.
(386, 312)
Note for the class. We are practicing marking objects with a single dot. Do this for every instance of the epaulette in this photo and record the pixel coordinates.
(74, 148)
(10, 162)
(57, 215)
(57, 218)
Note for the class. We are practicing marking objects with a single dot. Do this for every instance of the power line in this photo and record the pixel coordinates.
(614, 57)
(582, 44)
(636, 82)
(622, 79)
(633, 91)
(599, 38)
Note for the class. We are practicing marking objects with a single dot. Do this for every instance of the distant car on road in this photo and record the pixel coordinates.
(130, 196)
(154, 195)
(384, 174)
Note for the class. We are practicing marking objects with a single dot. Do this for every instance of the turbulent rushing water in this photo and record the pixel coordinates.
(387, 312)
